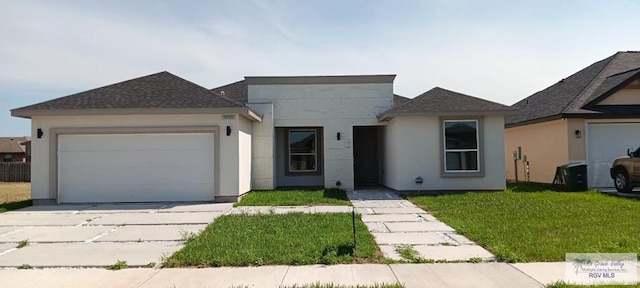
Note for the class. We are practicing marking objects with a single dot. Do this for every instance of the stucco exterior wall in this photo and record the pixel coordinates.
(413, 148)
(229, 145)
(577, 146)
(263, 165)
(244, 155)
(334, 107)
(545, 145)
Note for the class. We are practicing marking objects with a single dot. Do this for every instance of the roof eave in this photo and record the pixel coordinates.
(244, 111)
(329, 79)
(534, 121)
(390, 115)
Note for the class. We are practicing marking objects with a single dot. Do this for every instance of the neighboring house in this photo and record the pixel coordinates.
(592, 116)
(163, 138)
(15, 149)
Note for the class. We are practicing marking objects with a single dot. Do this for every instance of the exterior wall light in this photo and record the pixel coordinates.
(39, 133)
(338, 136)
(578, 133)
(228, 130)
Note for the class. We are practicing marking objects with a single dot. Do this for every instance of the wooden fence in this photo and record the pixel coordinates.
(15, 172)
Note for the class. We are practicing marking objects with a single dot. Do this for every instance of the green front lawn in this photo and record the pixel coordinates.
(540, 226)
(295, 198)
(273, 239)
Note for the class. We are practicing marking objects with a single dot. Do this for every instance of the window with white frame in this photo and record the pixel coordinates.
(461, 146)
(303, 150)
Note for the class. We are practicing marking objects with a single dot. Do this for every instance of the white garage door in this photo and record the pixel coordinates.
(136, 167)
(607, 141)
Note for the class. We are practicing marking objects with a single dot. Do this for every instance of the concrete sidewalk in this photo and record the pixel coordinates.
(411, 275)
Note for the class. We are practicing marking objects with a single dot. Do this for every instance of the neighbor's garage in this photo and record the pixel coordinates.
(136, 167)
(607, 141)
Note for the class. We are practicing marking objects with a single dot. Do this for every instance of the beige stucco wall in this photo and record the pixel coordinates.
(413, 148)
(334, 107)
(229, 174)
(545, 145)
(577, 147)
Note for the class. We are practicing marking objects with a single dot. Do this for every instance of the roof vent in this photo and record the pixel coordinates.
(562, 80)
(222, 93)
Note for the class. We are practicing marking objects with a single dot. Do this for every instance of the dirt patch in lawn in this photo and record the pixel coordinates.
(14, 192)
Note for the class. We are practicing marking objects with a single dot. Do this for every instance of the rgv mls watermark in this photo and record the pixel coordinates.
(601, 268)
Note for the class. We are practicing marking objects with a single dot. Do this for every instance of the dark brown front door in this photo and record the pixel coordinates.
(365, 155)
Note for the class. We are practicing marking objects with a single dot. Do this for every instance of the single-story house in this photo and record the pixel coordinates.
(15, 149)
(592, 117)
(163, 138)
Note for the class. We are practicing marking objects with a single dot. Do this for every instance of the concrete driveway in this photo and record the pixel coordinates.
(100, 235)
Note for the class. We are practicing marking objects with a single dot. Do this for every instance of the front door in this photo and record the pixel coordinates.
(365, 155)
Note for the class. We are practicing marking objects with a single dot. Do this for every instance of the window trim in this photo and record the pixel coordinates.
(479, 172)
(289, 153)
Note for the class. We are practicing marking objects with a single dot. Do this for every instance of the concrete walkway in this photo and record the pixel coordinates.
(394, 221)
(411, 275)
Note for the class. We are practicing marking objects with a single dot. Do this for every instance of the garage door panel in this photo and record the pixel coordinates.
(143, 142)
(131, 176)
(136, 168)
(607, 141)
(142, 159)
(138, 193)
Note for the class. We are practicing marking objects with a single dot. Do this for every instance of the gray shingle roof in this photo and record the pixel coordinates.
(577, 93)
(439, 101)
(399, 100)
(236, 91)
(161, 90)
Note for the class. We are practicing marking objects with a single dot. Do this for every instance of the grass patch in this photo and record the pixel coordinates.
(534, 187)
(287, 239)
(14, 192)
(295, 198)
(14, 205)
(411, 255)
(119, 265)
(25, 267)
(22, 244)
(540, 226)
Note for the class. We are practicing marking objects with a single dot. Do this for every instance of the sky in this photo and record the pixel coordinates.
(501, 51)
